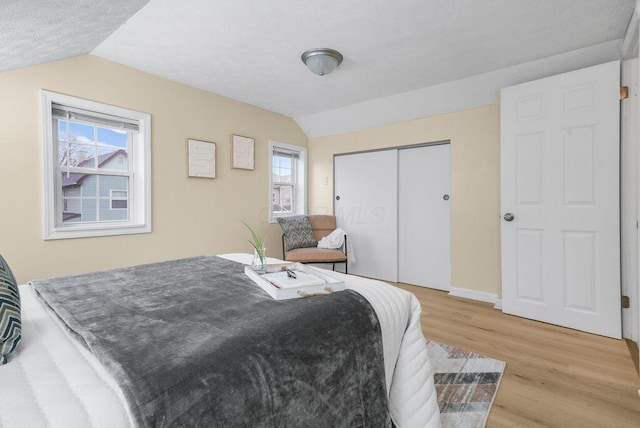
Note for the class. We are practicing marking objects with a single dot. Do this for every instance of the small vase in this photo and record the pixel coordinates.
(259, 262)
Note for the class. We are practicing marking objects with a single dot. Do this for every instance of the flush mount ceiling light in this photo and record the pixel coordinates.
(322, 61)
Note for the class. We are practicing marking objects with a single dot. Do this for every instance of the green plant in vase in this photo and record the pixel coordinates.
(259, 248)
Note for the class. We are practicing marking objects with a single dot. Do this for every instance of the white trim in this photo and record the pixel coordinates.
(629, 188)
(301, 182)
(498, 304)
(139, 201)
(480, 296)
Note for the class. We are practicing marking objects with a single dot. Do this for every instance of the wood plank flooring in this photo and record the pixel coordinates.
(555, 377)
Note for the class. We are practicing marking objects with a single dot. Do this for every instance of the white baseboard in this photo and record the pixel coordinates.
(481, 296)
(498, 304)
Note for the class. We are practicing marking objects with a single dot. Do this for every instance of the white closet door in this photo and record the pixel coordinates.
(366, 208)
(424, 224)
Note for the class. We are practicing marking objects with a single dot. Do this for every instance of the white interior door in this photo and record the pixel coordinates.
(424, 223)
(560, 181)
(366, 207)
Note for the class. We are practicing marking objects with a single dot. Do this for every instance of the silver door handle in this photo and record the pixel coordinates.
(508, 217)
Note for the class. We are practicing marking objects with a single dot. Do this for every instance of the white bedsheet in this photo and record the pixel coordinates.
(54, 381)
(51, 380)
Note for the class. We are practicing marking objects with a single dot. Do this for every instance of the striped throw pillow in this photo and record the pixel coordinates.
(297, 232)
(10, 325)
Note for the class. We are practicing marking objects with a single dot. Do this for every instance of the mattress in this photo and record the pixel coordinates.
(54, 381)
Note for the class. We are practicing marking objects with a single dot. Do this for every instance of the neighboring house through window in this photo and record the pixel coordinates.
(97, 168)
(119, 199)
(287, 181)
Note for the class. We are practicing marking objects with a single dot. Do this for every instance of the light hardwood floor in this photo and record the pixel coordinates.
(555, 377)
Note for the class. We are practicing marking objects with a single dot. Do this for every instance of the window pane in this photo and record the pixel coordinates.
(77, 132)
(112, 137)
(74, 154)
(88, 211)
(112, 182)
(115, 159)
(283, 170)
(70, 191)
(73, 184)
(118, 204)
(92, 197)
(112, 149)
(78, 197)
(72, 210)
(108, 213)
(282, 206)
(282, 199)
(75, 144)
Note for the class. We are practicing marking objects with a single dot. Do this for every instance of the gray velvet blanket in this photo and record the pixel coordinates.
(194, 342)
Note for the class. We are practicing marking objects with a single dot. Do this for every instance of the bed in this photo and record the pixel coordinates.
(53, 380)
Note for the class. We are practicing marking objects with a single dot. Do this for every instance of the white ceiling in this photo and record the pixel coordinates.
(250, 50)
(38, 31)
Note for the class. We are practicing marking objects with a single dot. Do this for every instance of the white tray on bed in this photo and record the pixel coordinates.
(288, 288)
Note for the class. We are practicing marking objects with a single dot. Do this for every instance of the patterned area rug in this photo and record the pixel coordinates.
(466, 384)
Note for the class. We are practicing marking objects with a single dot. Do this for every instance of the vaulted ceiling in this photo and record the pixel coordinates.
(250, 50)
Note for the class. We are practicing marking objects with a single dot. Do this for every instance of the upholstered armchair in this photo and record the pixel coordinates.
(300, 238)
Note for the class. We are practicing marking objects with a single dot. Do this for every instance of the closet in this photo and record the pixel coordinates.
(394, 204)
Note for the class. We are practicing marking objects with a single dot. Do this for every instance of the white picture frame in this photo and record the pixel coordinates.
(242, 152)
(201, 159)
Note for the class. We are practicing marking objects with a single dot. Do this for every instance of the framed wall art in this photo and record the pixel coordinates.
(201, 159)
(242, 152)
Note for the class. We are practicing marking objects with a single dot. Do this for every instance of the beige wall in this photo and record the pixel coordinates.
(201, 216)
(475, 183)
(190, 216)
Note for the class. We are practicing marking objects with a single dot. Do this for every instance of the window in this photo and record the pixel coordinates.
(97, 168)
(119, 199)
(287, 181)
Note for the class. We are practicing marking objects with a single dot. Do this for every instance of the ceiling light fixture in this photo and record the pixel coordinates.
(322, 61)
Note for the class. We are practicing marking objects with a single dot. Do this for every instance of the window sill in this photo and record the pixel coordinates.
(101, 230)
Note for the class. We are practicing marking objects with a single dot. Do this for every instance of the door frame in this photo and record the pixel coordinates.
(629, 199)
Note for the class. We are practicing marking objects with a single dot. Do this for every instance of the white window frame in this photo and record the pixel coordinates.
(139, 162)
(300, 197)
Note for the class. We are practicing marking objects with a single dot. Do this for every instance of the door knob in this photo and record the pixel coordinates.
(508, 217)
(445, 197)
(337, 198)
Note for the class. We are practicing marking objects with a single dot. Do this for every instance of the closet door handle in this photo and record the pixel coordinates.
(337, 198)
(445, 197)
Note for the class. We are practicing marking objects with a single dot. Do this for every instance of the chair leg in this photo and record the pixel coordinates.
(346, 264)
(334, 266)
(283, 247)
